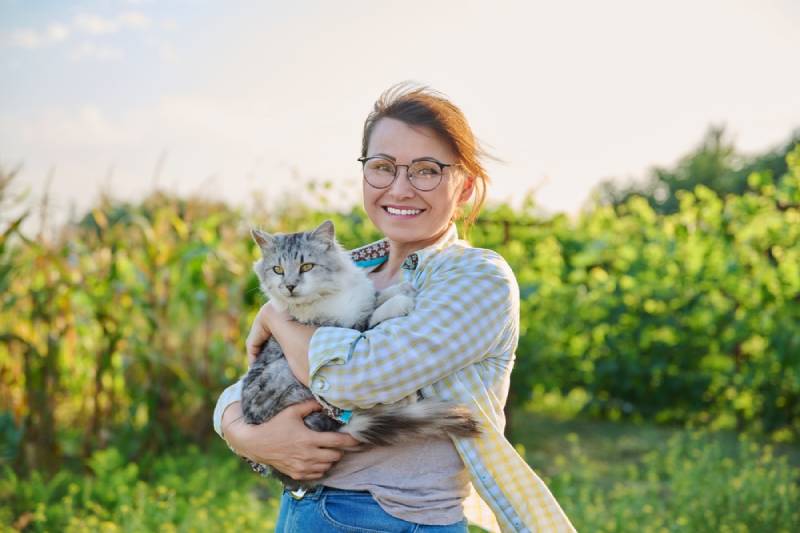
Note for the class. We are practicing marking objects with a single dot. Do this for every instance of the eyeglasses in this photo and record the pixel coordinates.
(423, 174)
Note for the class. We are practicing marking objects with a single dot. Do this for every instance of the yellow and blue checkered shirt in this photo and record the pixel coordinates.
(457, 344)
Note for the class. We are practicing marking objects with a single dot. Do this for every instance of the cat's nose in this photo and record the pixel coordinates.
(291, 288)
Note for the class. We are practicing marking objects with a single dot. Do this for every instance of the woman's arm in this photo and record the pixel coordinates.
(293, 337)
(467, 309)
(284, 441)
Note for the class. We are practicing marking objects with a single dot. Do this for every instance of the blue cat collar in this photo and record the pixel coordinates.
(345, 416)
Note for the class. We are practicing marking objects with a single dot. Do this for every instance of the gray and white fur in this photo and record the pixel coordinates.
(310, 275)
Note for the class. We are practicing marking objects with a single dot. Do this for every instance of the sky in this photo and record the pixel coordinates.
(243, 100)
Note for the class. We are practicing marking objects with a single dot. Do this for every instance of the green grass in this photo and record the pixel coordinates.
(189, 491)
(622, 477)
(609, 477)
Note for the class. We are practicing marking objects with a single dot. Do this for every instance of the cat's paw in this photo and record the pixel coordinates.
(390, 292)
(398, 305)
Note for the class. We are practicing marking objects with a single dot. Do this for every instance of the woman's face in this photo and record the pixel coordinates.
(425, 215)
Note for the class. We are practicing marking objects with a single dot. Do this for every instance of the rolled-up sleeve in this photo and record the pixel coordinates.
(465, 310)
(230, 395)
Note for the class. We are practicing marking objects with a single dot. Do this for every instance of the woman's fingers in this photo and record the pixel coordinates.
(326, 455)
(329, 439)
(259, 334)
(308, 470)
(319, 469)
(322, 439)
(310, 477)
(303, 409)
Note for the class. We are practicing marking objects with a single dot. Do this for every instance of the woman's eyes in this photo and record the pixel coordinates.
(426, 172)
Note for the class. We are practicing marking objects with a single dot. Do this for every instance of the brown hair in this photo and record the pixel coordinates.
(422, 106)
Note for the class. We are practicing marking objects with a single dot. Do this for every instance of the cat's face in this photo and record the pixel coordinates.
(298, 268)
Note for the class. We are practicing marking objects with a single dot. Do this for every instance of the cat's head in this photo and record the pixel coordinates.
(299, 268)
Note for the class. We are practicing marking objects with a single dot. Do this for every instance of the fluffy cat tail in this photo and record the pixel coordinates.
(385, 425)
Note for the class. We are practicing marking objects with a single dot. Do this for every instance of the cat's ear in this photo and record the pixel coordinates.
(324, 231)
(262, 238)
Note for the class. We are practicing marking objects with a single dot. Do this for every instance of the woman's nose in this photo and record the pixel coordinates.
(401, 187)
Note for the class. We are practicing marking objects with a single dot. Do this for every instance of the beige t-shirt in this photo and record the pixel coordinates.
(424, 481)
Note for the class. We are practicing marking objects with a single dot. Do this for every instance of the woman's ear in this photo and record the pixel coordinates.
(466, 190)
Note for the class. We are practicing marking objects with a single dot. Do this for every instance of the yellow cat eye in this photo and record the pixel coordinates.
(305, 267)
(278, 270)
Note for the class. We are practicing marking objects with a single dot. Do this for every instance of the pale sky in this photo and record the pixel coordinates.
(237, 97)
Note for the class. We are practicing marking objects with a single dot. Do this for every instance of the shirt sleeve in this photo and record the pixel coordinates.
(465, 311)
(230, 395)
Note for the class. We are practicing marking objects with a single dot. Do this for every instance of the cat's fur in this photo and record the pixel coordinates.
(333, 292)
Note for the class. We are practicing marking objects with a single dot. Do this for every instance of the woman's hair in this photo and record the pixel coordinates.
(422, 106)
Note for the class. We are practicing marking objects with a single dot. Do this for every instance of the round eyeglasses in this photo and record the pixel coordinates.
(424, 174)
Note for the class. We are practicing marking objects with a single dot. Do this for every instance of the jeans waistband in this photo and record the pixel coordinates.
(317, 492)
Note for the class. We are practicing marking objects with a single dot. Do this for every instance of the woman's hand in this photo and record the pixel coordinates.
(285, 443)
(260, 332)
(293, 337)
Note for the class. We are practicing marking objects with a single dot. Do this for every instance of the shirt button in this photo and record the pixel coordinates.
(319, 384)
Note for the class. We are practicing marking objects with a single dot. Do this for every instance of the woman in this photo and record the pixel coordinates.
(421, 167)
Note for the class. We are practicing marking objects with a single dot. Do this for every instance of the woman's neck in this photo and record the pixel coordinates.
(389, 272)
(398, 253)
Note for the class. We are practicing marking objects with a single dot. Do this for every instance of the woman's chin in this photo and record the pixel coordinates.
(401, 235)
(412, 237)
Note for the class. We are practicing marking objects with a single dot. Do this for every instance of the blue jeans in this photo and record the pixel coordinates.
(324, 510)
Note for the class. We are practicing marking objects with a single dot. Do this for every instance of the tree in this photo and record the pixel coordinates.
(714, 163)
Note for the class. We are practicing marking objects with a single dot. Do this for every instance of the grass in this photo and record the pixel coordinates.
(608, 477)
(189, 491)
(625, 477)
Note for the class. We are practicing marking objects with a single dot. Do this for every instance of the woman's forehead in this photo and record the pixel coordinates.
(405, 142)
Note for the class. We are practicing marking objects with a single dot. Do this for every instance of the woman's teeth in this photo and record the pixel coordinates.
(394, 211)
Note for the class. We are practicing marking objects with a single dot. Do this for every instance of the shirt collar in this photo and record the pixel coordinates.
(377, 252)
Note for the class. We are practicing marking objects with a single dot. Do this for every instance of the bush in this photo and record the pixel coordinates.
(189, 491)
(689, 317)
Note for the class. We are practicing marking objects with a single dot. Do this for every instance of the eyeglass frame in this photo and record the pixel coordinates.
(410, 179)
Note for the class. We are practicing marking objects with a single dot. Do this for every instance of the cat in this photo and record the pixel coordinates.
(311, 275)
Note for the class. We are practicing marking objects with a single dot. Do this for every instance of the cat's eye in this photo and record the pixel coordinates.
(278, 270)
(305, 267)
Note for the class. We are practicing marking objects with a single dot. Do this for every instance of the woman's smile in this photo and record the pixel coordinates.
(399, 211)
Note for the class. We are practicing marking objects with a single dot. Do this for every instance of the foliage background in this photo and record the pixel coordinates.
(119, 329)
